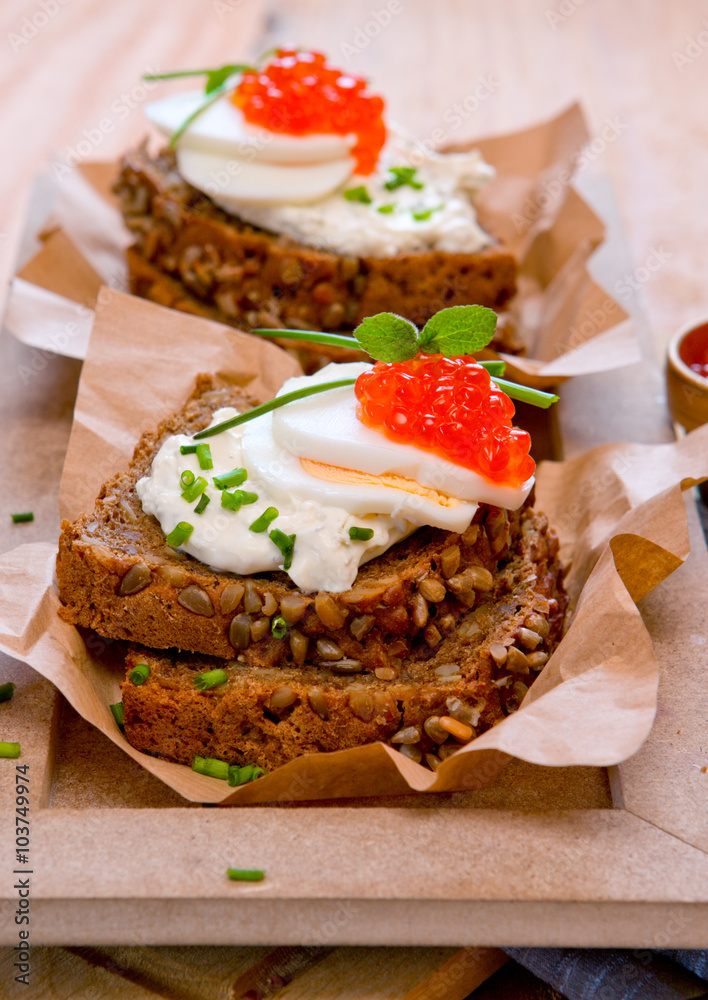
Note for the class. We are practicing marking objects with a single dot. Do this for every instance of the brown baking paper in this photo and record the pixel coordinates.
(569, 324)
(619, 512)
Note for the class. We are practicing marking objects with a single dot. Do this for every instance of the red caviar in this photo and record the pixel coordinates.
(299, 93)
(448, 406)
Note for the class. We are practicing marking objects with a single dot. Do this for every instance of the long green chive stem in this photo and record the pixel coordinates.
(7, 691)
(210, 99)
(526, 395)
(186, 479)
(187, 449)
(245, 875)
(117, 710)
(237, 499)
(495, 368)
(333, 339)
(279, 627)
(210, 679)
(233, 478)
(202, 505)
(361, 534)
(177, 75)
(179, 534)
(19, 518)
(273, 404)
(204, 456)
(9, 750)
(139, 674)
(212, 767)
(286, 544)
(195, 490)
(262, 522)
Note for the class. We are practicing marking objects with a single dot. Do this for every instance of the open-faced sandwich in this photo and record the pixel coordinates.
(356, 560)
(285, 201)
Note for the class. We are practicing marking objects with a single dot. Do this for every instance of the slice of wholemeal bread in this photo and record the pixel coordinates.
(189, 254)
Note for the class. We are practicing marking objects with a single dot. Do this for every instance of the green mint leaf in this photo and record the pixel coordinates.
(458, 330)
(387, 337)
(358, 194)
(402, 176)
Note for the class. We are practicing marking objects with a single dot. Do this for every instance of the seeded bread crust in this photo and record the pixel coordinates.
(191, 255)
(477, 673)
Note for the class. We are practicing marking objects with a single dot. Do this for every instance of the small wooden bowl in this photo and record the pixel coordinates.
(687, 390)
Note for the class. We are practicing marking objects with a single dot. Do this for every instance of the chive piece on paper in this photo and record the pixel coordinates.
(139, 674)
(179, 534)
(20, 518)
(10, 750)
(265, 519)
(212, 767)
(361, 534)
(204, 457)
(117, 710)
(233, 478)
(7, 691)
(210, 679)
(245, 875)
(286, 544)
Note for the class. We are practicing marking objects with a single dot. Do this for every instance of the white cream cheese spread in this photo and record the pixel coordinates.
(325, 473)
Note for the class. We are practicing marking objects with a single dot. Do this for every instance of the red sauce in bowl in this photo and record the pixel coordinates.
(693, 350)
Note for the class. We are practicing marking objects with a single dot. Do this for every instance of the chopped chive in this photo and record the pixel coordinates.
(9, 749)
(204, 456)
(194, 490)
(245, 875)
(7, 691)
(425, 213)
(273, 404)
(526, 395)
(279, 627)
(117, 710)
(139, 674)
(262, 522)
(179, 534)
(233, 478)
(187, 449)
(210, 679)
(186, 479)
(245, 773)
(212, 767)
(286, 544)
(237, 499)
(202, 505)
(361, 534)
(19, 518)
(386, 209)
(495, 368)
(358, 194)
(402, 176)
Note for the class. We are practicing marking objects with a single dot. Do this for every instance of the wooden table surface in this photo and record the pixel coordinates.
(70, 78)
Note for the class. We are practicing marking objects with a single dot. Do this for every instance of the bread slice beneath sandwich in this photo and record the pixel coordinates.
(442, 625)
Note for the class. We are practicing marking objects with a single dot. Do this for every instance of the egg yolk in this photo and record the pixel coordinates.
(448, 406)
(299, 93)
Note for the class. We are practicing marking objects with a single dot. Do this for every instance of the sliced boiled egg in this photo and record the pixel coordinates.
(325, 429)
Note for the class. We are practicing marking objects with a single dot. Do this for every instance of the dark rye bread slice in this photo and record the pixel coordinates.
(117, 576)
(191, 255)
(476, 672)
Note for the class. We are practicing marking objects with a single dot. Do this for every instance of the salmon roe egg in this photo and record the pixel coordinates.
(448, 406)
(299, 93)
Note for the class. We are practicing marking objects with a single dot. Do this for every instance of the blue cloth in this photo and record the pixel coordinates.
(597, 974)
